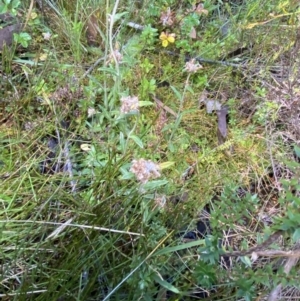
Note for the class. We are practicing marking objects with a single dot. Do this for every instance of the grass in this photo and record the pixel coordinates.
(76, 223)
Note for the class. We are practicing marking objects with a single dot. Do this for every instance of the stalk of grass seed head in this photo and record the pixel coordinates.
(110, 36)
(70, 225)
(113, 55)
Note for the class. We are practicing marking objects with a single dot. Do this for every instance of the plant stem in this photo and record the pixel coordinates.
(179, 113)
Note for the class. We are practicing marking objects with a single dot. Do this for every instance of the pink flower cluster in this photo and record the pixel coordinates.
(145, 170)
(129, 104)
(192, 66)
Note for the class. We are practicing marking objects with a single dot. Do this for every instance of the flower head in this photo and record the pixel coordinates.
(46, 36)
(91, 112)
(167, 38)
(167, 17)
(144, 170)
(192, 66)
(129, 104)
(116, 55)
(199, 9)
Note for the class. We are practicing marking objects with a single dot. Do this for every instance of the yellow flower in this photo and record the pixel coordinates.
(167, 38)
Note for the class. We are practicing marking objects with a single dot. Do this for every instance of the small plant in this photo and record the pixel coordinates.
(267, 112)
(10, 6)
(149, 35)
(22, 38)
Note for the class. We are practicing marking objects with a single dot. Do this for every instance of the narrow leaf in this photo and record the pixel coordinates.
(145, 103)
(200, 242)
(297, 150)
(176, 92)
(296, 235)
(166, 284)
(122, 141)
(166, 164)
(119, 16)
(137, 140)
(247, 261)
(155, 184)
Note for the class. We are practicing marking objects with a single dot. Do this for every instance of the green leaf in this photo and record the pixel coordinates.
(132, 48)
(200, 242)
(166, 164)
(126, 175)
(22, 38)
(176, 92)
(26, 70)
(155, 184)
(145, 103)
(171, 147)
(166, 284)
(119, 16)
(122, 142)
(3, 9)
(247, 261)
(137, 140)
(28, 62)
(108, 70)
(189, 88)
(296, 235)
(297, 150)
